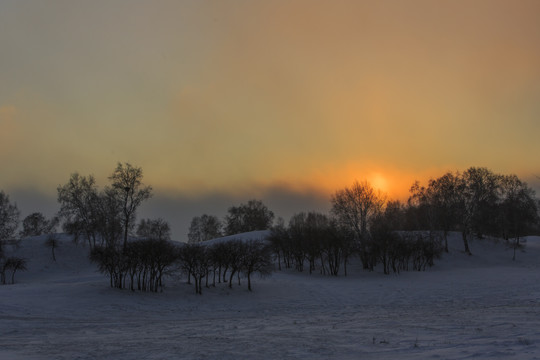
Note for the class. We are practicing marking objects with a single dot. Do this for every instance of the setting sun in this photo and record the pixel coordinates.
(379, 182)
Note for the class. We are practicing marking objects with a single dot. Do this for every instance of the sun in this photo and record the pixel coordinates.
(379, 182)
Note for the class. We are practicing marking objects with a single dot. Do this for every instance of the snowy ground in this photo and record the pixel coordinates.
(483, 306)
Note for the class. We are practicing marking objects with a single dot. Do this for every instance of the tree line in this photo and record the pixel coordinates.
(398, 236)
(251, 216)
(105, 218)
(476, 202)
(362, 223)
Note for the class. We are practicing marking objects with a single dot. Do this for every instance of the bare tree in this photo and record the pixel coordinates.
(518, 209)
(478, 189)
(235, 257)
(203, 228)
(128, 187)
(107, 209)
(9, 220)
(53, 243)
(354, 207)
(248, 217)
(156, 229)
(77, 200)
(13, 264)
(257, 259)
(438, 204)
(36, 224)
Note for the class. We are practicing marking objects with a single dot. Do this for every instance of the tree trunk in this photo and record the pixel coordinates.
(230, 279)
(466, 242)
(125, 237)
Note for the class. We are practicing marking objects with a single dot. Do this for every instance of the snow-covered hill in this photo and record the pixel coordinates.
(481, 306)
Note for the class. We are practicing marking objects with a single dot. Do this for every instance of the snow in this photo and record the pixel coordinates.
(481, 306)
(260, 235)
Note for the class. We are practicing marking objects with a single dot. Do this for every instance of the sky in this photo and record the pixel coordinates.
(288, 101)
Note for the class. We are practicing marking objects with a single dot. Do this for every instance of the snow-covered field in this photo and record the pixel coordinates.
(482, 306)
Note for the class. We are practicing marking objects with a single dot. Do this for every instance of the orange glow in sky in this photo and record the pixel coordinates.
(227, 96)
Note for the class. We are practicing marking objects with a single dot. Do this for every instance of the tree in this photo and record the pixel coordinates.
(13, 264)
(53, 243)
(36, 224)
(9, 217)
(445, 199)
(354, 207)
(78, 207)
(142, 263)
(203, 228)
(156, 229)
(384, 239)
(257, 259)
(189, 256)
(478, 189)
(279, 241)
(201, 264)
(9, 221)
(437, 205)
(235, 250)
(128, 187)
(248, 217)
(107, 210)
(518, 209)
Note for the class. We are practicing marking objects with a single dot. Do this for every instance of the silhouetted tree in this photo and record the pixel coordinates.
(142, 263)
(188, 255)
(437, 206)
(518, 209)
(107, 210)
(36, 224)
(53, 243)
(203, 228)
(354, 207)
(13, 264)
(248, 217)
(257, 259)
(78, 207)
(299, 240)
(445, 198)
(478, 191)
(219, 258)
(235, 257)
(128, 188)
(157, 229)
(200, 266)
(384, 240)
(9, 220)
(280, 243)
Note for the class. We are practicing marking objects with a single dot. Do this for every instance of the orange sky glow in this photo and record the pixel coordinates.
(235, 97)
